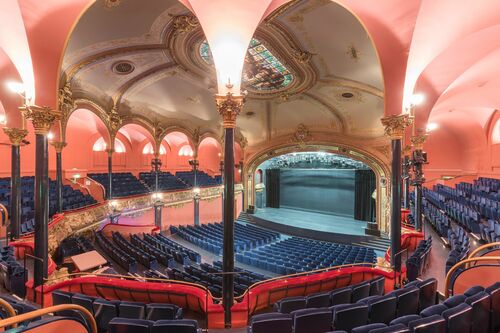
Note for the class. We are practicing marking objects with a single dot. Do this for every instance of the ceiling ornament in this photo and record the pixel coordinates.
(184, 23)
(114, 121)
(301, 135)
(418, 141)
(353, 53)
(112, 3)
(395, 125)
(301, 56)
(348, 95)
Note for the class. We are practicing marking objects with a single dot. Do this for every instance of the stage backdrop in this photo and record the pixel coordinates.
(318, 190)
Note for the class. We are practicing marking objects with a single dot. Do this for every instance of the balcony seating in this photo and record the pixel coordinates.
(348, 316)
(428, 292)
(458, 319)
(460, 245)
(368, 328)
(490, 232)
(202, 178)
(312, 320)
(161, 256)
(19, 306)
(72, 246)
(419, 260)
(295, 255)
(432, 324)
(72, 199)
(124, 184)
(123, 259)
(12, 274)
(141, 256)
(271, 322)
(166, 181)
(381, 309)
(180, 253)
(494, 291)
(209, 236)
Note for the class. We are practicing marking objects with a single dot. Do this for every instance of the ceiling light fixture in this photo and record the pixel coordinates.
(431, 127)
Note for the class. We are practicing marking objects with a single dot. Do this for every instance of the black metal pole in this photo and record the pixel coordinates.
(41, 209)
(396, 204)
(110, 174)
(222, 194)
(418, 207)
(228, 243)
(419, 159)
(15, 194)
(59, 181)
(158, 210)
(406, 182)
(196, 199)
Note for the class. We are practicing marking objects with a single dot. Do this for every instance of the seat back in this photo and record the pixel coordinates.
(83, 300)
(319, 300)
(494, 291)
(360, 291)
(377, 286)
(428, 292)
(432, 324)
(159, 311)
(340, 296)
(288, 305)
(398, 328)
(270, 322)
(128, 325)
(175, 326)
(382, 309)
(312, 320)
(407, 300)
(133, 310)
(481, 305)
(458, 319)
(348, 316)
(104, 311)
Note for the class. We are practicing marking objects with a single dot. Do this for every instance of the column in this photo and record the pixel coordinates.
(110, 152)
(419, 158)
(406, 181)
(395, 128)
(196, 192)
(244, 186)
(158, 206)
(228, 106)
(16, 136)
(156, 167)
(42, 119)
(59, 147)
(221, 169)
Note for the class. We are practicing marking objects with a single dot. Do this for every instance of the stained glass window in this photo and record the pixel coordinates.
(261, 71)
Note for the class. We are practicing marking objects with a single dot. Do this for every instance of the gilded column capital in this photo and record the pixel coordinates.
(58, 145)
(42, 117)
(395, 125)
(110, 151)
(16, 135)
(418, 141)
(229, 107)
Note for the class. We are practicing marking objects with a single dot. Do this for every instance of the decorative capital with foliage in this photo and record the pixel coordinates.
(58, 146)
(229, 107)
(418, 141)
(16, 135)
(42, 117)
(395, 125)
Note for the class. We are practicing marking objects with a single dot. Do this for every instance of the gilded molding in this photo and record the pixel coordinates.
(229, 107)
(301, 135)
(16, 135)
(395, 125)
(184, 23)
(418, 141)
(58, 146)
(42, 117)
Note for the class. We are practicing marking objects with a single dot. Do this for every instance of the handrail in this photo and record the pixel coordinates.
(128, 277)
(8, 307)
(2, 207)
(40, 312)
(482, 247)
(308, 273)
(457, 265)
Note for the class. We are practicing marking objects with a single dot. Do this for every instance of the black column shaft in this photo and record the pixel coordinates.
(396, 204)
(418, 207)
(228, 251)
(196, 196)
(110, 175)
(15, 194)
(59, 181)
(41, 209)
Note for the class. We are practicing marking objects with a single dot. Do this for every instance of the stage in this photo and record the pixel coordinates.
(327, 227)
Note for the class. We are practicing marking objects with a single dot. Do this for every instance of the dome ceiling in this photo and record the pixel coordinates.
(149, 60)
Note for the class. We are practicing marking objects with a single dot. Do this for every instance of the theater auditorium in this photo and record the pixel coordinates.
(249, 166)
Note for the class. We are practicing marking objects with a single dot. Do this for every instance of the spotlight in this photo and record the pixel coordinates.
(196, 190)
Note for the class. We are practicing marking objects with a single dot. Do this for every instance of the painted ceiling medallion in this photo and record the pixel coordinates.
(112, 3)
(262, 70)
(123, 67)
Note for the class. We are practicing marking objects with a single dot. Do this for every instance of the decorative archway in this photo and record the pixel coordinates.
(379, 167)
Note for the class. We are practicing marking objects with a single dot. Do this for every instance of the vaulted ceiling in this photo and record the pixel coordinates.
(144, 59)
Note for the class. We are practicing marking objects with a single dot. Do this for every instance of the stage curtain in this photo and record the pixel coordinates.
(364, 204)
(273, 188)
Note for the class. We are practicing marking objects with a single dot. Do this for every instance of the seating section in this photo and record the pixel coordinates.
(72, 199)
(419, 260)
(143, 257)
(296, 254)
(210, 276)
(209, 236)
(12, 274)
(460, 246)
(181, 254)
(72, 246)
(475, 207)
(357, 308)
(202, 178)
(166, 181)
(19, 306)
(124, 183)
(109, 315)
(124, 259)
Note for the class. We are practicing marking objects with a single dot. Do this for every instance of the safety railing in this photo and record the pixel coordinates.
(9, 310)
(15, 320)
(472, 271)
(4, 214)
(486, 250)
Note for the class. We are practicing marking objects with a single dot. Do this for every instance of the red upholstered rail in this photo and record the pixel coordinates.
(28, 247)
(409, 240)
(127, 229)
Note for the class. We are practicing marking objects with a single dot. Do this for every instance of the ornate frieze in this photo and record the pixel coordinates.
(301, 135)
(16, 135)
(395, 125)
(42, 117)
(184, 23)
(229, 107)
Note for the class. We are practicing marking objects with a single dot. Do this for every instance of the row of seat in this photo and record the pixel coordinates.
(347, 295)
(105, 311)
(460, 246)
(123, 259)
(12, 274)
(419, 260)
(72, 246)
(161, 256)
(297, 254)
(166, 181)
(375, 309)
(490, 232)
(181, 254)
(140, 255)
(202, 178)
(124, 183)
(123, 325)
(209, 236)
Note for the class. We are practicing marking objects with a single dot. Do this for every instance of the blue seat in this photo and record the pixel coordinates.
(407, 300)
(494, 292)
(348, 316)
(458, 319)
(340, 296)
(104, 311)
(360, 291)
(175, 326)
(318, 300)
(454, 301)
(312, 320)
(404, 320)
(368, 328)
(432, 324)
(398, 328)
(270, 322)
(433, 310)
(481, 306)
(381, 309)
(127, 325)
(162, 311)
(287, 305)
(377, 286)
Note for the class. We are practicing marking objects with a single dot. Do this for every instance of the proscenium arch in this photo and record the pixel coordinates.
(380, 169)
